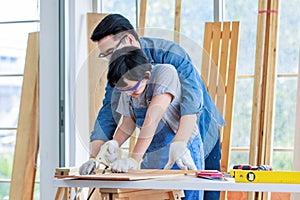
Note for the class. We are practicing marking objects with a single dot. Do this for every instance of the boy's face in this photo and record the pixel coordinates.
(134, 88)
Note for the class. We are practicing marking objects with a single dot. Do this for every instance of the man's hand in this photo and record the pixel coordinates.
(124, 164)
(88, 167)
(180, 154)
(108, 152)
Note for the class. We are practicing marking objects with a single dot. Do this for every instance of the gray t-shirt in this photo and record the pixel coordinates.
(164, 79)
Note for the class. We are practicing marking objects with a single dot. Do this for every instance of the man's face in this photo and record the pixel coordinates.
(110, 43)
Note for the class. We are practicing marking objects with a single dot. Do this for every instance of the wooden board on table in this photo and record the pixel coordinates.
(131, 175)
(123, 176)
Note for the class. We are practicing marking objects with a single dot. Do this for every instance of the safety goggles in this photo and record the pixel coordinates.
(136, 87)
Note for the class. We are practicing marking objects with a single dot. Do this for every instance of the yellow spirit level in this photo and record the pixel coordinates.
(254, 176)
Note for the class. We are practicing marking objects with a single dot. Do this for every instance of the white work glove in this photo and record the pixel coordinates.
(108, 152)
(88, 167)
(180, 154)
(124, 164)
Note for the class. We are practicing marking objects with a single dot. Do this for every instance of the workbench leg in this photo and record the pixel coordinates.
(176, 194)
(63, 194)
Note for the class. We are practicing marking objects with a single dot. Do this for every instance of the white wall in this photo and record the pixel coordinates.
(49, 96)
(78, 91)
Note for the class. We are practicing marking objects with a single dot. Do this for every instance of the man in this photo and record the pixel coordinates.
(114, 32)
(150, 100)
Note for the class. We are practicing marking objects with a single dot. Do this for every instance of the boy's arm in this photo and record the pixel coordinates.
(186, 125)
(125, 130)
(156, 109)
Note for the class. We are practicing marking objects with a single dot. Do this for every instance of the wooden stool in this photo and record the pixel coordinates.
(137, 194)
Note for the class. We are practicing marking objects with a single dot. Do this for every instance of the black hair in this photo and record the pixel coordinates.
(113, 24)
(128, 62)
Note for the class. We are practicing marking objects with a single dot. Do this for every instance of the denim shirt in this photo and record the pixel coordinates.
(195, 98)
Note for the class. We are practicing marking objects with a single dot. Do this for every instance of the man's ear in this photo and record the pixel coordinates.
(132, 40)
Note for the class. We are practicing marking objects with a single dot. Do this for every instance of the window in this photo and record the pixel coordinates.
(193, 17)
(13, 42)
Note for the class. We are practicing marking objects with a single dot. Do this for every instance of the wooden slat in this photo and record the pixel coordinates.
(221, 45)
(213, 78)
(142, 18)
(27, 141)
(177, 21)
(222, 77)
(205, 68)
(257, 89)
(272, 23)
(230, 91)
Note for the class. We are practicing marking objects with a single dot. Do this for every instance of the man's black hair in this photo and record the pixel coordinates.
(128, 62)
(112, 24)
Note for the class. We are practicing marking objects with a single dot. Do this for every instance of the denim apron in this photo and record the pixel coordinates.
(157, 154)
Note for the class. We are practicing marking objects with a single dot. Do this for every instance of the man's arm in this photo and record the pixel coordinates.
(167, 52)
(106, 122)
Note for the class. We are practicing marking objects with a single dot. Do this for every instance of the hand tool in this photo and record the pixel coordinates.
(251, 167)
(256, 176)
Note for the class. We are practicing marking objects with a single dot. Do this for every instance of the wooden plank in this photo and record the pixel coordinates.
(120, 176)
(97, 70)
(27, 141)
(257, 89)
(177, 21)
(230, 91)
(223, 68)
(142, 18)
(206, 59)
(214, 69)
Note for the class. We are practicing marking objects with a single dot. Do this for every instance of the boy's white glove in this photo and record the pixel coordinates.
(180, 154)
(124, 164)
(108, 152)
(88, 167)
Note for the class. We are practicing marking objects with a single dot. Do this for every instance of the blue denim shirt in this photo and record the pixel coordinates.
(195, 98)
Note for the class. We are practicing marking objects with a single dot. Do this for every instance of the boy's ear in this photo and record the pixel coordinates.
(147, 74)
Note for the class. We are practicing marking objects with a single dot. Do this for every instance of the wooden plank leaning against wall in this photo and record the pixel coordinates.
(27, 140)
(264, 87)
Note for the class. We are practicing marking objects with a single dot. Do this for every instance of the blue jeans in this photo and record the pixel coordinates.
(212, 162)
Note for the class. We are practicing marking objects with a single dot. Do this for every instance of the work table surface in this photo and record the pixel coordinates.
(178, 182)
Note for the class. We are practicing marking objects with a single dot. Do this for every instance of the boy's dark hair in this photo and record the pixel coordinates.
(113, 24)
(128, 62)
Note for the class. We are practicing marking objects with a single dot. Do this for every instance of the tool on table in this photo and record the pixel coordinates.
(210, 174)
(255, 176)
(236, 168)
(101, 159)
(251, 167)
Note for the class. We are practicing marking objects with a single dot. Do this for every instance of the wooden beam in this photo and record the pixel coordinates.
(142, 18)
(177, 21)
(257, 90)
(27, 141)
(264, 87)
